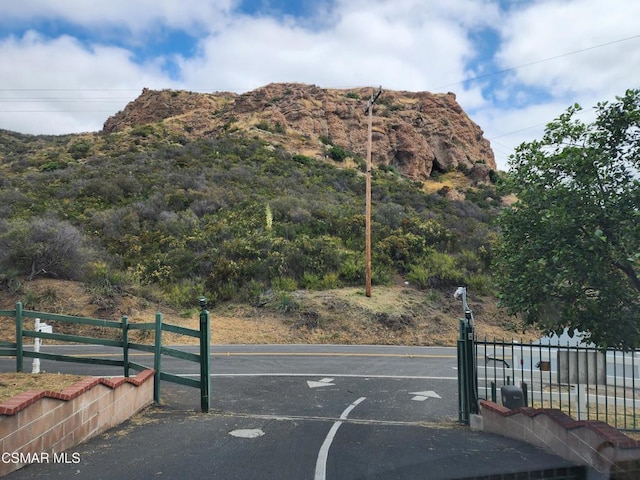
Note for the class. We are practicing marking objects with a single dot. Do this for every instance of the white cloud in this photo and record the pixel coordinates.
(137, 16)
(399, 44)
(61, 86)
(554, 28)
(546, 34)
(507, 128)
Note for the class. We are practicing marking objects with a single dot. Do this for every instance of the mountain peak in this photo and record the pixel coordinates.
(419, 133)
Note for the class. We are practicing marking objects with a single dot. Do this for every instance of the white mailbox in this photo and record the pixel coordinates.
(45, 328)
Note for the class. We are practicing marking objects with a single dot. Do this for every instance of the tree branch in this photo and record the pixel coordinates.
(629, 272)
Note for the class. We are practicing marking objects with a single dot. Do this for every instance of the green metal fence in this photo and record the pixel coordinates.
(203, 334)
(585, 382)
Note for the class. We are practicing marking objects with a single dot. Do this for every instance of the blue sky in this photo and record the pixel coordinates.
(514, 64)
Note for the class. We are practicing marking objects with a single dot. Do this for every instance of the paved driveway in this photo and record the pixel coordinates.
(330, 413)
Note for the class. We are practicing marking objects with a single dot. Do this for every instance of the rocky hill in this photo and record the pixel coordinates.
(256, 202)
(417, 133)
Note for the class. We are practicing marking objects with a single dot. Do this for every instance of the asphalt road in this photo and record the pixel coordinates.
(269, 359)
(300, 412)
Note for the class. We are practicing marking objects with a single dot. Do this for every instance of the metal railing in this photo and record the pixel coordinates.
(18, 350)
(584, 382)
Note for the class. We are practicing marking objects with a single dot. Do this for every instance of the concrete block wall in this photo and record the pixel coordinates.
(37, 423)
(587, 442)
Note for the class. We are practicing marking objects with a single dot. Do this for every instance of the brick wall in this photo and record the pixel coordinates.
(52, 422)
(587, 442)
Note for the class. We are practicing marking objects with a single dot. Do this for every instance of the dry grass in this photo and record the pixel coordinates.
(344, 316)
(453, 180)
(12, 384)
(393, 315)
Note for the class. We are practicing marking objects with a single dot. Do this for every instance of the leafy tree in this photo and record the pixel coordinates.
(570, 248)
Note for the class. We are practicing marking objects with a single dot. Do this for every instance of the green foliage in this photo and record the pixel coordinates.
(285, 303)
(104, 284)
(51, 166)
(352, 270)
(184, 293)
(479, 283)
(311, 281)
(284, 284)
(338, 154)
(420, 276)
(330, 280)
(568, 244)
(381, 273)
(437, 270)
(302, 159)
(273, 128)
(80, 149)
(229, 217)
(325, 139)
(143, 131)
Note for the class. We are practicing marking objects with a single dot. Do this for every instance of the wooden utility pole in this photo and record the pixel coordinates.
(369, 110)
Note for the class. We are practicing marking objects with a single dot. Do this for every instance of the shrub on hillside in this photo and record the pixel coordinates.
(43, 247)
(437, 270)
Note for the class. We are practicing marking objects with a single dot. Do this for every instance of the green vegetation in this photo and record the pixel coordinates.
(230, 217)
(339, 154)
(273, 128)
(571, 244)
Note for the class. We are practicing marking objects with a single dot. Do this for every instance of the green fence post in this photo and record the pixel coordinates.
(205, 350)
(470, 356)
(467, 383)
(125, 345)
(157, 355)
(19, 356)
(463, 415)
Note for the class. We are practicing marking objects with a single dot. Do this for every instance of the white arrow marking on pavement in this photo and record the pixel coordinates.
(422, 396)
(325, 382)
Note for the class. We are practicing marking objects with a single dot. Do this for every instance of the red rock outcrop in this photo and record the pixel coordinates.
(417, 132)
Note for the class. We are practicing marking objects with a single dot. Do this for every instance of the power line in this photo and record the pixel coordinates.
(536, 62)
(60, 99)
(513, 132)
(459, 82)
(56, 111)
(80, 99)
(70, 89)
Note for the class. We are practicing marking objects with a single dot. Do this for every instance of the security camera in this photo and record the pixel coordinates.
(459, 292)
